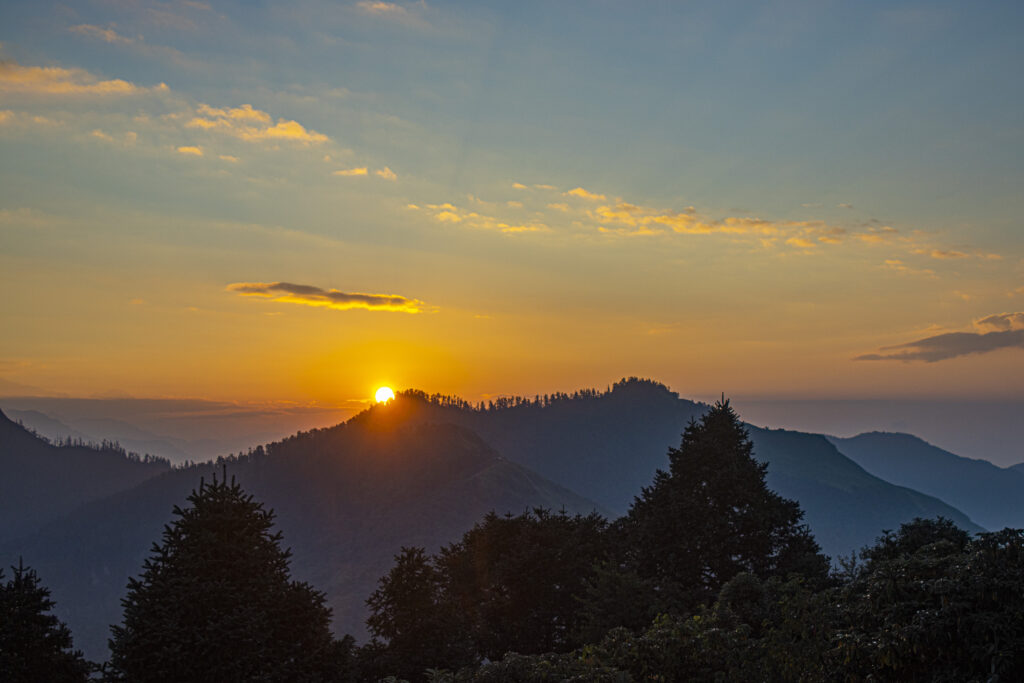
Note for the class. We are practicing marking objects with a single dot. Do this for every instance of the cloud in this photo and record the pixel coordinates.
(519, 186)
(881, 235)
(386, 173)
(379, 7)
(308, 295)
(900, 267)
(108, 35)
(449, 213)
(15, 78)
(844, 205)
(950, 345)
(1001, 322)
(252, 125)
(191, 150)
(350, 172)
(999, 331)
(940, 253)
(583, 194)
(228, 158)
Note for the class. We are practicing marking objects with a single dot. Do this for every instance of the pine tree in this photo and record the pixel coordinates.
(215, 602)
(711, 517)
(34, 645)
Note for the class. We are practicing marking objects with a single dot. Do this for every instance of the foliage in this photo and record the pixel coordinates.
(215, 602)
(413, 625)
(932, 605)
(34, 645)
(516, 581)
(711, 517)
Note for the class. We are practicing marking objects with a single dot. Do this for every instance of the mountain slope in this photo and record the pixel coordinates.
(42, 482)
(608, 445)
(993, 496)
(845, 506)
(348, 498)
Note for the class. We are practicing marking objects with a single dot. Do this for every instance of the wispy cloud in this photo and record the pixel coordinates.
(191, 150)
(449, 213)
(584, 194)
(15, 78)
(386, 173)
(1000, 331)
(379, 7)
(1001, 322)
(940, 253)
(252, 125)
(107, 35)
(308, 295)
(351, 172)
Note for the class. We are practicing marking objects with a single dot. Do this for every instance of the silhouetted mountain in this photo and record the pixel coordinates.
(607, 445)
(42, 482)
(348, 498)
(992, 496)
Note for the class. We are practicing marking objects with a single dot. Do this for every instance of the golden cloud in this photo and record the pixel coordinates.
(449, 213)
(15, 78)
(308, 295)
(191, 150)
(351, 172)
(252, 125)
(386, 173)
(581, 193)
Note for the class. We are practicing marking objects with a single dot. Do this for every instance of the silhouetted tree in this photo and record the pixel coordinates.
(711, 517)
(215, 602)
(516, 581)
(414, 627)
(34, 645)
(931, 604)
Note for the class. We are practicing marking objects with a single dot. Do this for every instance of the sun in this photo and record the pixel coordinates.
(384, 394)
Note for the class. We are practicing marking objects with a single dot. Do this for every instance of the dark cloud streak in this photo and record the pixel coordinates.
(950, 345)
(309, 295)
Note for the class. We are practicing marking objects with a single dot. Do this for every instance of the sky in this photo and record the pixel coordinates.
(299, 202)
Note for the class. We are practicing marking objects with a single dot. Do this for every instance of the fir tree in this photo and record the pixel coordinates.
(215, 602)
(711, 517)
(34, 645)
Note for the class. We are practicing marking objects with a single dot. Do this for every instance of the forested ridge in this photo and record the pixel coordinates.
(710, 575)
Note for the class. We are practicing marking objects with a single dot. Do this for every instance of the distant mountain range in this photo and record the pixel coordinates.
(992, 496)
(418, 471)
(606, 446)
(42, 482)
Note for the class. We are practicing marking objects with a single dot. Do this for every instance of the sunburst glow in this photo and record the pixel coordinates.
(384, 394)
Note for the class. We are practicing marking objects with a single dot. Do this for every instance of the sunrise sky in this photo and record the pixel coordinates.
(304, 201)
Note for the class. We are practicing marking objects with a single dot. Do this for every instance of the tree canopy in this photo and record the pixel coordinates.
(34, 644)
(215, 601)
(711, 516)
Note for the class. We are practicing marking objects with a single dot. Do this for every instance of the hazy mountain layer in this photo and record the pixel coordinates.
(41, 482)
(348, 498)
(608, 445)
(992, 496)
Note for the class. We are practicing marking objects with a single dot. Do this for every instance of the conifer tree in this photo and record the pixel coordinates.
(215, 602)
(34, 645)
(711, 517)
